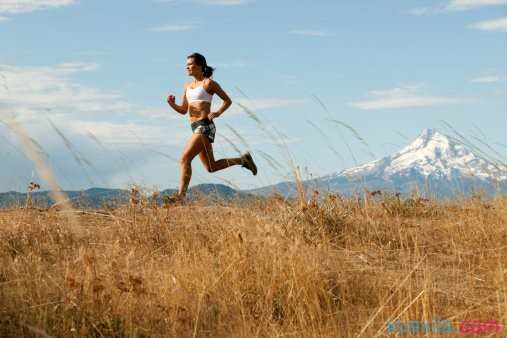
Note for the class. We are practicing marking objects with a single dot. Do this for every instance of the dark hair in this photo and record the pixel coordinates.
(200, 60)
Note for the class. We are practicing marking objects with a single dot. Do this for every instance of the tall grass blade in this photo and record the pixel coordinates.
(46, 174)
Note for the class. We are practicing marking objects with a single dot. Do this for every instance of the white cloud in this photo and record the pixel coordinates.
(226, 2)
(172, 28)
(4, 19)
(263, 104)
(24, 6)
(90, 53)
(128, 133)
(76, 67)
(258, 104)
(310, 32)
(488, 79)
(28, 90)
(491, 25)
(231, 64)
(420, 11)
(160, 112)
(456, 5)
(463, 5)
(213, 2)
(403, 97)
(107, 149)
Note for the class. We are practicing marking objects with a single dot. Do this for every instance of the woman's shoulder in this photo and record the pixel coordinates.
(211, 83)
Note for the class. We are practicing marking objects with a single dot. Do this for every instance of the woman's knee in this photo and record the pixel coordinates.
(208, 163)
(185, 160)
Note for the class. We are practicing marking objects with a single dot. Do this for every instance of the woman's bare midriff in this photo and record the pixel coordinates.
(199, 110)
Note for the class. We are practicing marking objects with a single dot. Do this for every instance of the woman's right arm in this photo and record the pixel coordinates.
(184, 105)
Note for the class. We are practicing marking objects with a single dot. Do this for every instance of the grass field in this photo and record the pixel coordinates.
(334, 268)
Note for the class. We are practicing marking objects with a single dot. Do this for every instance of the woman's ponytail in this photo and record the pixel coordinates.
(200, 60)
(208, 71)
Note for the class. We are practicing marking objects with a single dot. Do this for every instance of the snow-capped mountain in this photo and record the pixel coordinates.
(432, 154)
(433, 164)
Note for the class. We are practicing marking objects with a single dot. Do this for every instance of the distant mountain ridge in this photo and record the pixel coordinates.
(99, 197)
(433, 164)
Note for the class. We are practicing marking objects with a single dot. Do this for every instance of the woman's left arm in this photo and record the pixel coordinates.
(216, 89)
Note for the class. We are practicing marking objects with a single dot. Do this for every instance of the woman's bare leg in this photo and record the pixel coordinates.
(208, 159)
(194, 146)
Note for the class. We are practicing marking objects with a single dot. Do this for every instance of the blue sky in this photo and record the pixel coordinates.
(100, 72)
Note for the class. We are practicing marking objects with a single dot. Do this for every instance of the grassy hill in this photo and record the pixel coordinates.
(333, 268)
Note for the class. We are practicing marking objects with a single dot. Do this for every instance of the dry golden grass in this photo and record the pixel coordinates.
(338, 268)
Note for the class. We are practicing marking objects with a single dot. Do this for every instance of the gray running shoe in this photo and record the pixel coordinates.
(248, 162)
(175, 199)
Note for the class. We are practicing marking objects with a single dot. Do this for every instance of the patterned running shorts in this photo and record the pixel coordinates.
(205, 127)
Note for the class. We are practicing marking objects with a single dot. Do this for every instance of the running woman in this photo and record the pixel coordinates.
(196, 100)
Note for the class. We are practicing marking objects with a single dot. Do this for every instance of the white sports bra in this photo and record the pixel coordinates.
(198, 94)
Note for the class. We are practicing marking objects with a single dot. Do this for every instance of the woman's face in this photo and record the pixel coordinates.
(192, 68)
